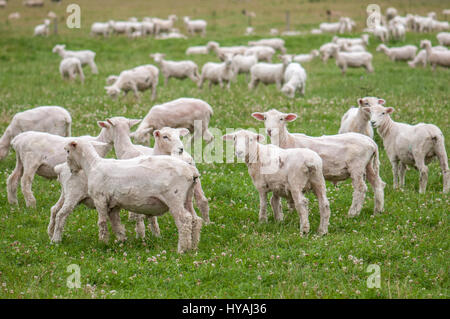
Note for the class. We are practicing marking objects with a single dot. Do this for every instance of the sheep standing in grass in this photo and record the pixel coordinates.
(421, 57)
(223, 51)
(294, 80)
(85, 56)
(51, 119)
(363, 40)
(183, 112)
(345, 60)
(344, 156)
(333, 27)
(263, 53)
(414, 145)
(218, 73)
(398, 30)
(436, 57)
(304, 58)
(287, 173)
(70, 67)
(202, 49)
(243, 64)
(274, 43)
(326, 50)
(381, 32)
(443, 38)
(176, 69)
(102, 28)
(195, 26)
(162, 25)
(404, 53)
(43, 29)
(269, 73)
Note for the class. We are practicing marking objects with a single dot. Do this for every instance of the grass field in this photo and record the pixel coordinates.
(237, 257)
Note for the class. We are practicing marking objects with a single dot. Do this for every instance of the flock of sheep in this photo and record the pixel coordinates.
(149, 182)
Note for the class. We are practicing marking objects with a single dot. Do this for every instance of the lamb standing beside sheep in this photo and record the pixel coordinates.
(85, 56)
(176, 69)
(195, 26)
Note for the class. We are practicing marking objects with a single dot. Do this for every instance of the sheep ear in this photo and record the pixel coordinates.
(73, 144)
(366, 109)
(381, 101)
(133, 122)
(360, 102)
(260, 138)
(290, 117)
(389, 110)
(156, 133)
(183, 131)
(258, 116)
(103, 124)
(109, 121)
(228, 137)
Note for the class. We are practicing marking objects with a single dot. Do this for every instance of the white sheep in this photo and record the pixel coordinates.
(287, 173)
(14, 16)
(70, 67)
(176, 69)
(391, 13)
(195, 26)
(243, 63)
(294, 80)
(162, 25)
(173, 34)
(269, 73)
(345, 60)
(316, 31)
(249, 31)
(363, 40)
(120, 27)
(222, 51)
(85, 56)
(325, 51)
(149, 185)
(218, 73)
(275, 43)
(102, 28)
(51, 119)
(397, 29)
(406, 52)
(140, 78)
(421, 57)
(332, 27)
(436, 57)
(381, 32)
(262, 52)
(273, 31)
(443, 38)
(148, 27)
(3, 3)
(344, 156)
(304, 58)
(183, 112)
(202, 49)
(43, 29)
(348, 47)
(414, 145)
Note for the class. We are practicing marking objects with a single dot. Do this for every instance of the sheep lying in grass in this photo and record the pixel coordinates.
(222, 52)
(344, 156)
(304, 58)
(43, 29)
(294, 80)
(140, 78)
(102, 28)
(356, 120)
(70, 67)
(197, 50)
(243, 64)
(263, 53)
(287, 173)
(345, 60)
(421, 57)
(183, 112)
(176, 69)
(51, 119)
(404, 53)
(275, 43)
(443, 38)
(436, 57)
(85, 56)
(414, 145)
(218, 73)
(149, 185)
(195, 26)
(269, 73)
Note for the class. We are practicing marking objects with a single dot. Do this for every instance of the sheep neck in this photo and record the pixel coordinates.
(6, 138)
(122, 143)
(284, 138)
(89, 157)
(102, 138)
(157, 149)
(385, 128)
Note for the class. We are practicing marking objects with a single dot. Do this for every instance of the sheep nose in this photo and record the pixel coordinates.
(180, 149)
(269, 131)
(372, 122)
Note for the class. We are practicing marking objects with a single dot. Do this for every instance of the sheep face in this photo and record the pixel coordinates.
(378, 114)
(274, 121)
(244, 142)
(58, 48)
(425, 43)
(168, 140)
(113, 92)
(115, 126)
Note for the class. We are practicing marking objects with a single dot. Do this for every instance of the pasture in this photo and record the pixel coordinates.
(237, 256)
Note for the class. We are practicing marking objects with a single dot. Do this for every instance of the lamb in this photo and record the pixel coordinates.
(269, 73)
(325, 51)
(304, 58)
(443, 38)
(51, 119)
(183, 112)
(217, 73)
(352, 59)
(275, 43)
(294, 80)
(414, 145)
(148, 27)
(439, 25)
(176, 69)
(173, 34)
(85, 56)
(102, 28)
(407, 52)
(14, 16)
(398, 30)
(381, 32)
(435, 57)
(137, 79)
(249, 31)
(150, 185)
(273, 31)
(197, 50)
(223, 51)
(162, 25)
(120, 27)
(193, 26)
(262, 53)
(287, 173)
(39, 153)
(356, 120)
(358, 156)
(243, 64)
(421, 57)
(43, 29)
(70, 67)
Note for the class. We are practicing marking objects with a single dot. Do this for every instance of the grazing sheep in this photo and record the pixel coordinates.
(440, 25)
(275, 43)
(273, 31)
(269, 73)
(421, 57)
(304, 58)
(294, 80)
(197, 50)
(414, 145)
(349, 155)
(217, 73)
(42, 29)
(176, 69)
(162, 25)
(85, 56)
(435, 57)
(148, 27)
(195, 26)
(249, 31)
(173, 34)
(120, 27)
(51, 119)
(316, 31)
(149, 185)
(70, 67)
(137, 79)
(243, 64)
(102, 28)
(443, 38)
(223, 51)
(404, 53)
(287, 173)
(363, 40)
(34, 3)
(262, 53)
(352, 59)
(183, 112)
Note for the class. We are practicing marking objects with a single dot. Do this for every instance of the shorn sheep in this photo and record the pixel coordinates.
(218, 73)
(287, 173)
(275, 43)
(414, 145)
(357, 158)
(243, 64)
(222, 52)
(201, 49)
(263, 53)
(162, 25)
(404, 53)
(421, 57)
(345, 60)
(176, 69)
(70, 67)
(195, 26)
(183, 112)
(304, 58)
(85, 56)
(51, 119)
(102, 28)
(443, 38)
(294, 80)
(269, 73)
(42, 29)
(436, 57)
(150, 185)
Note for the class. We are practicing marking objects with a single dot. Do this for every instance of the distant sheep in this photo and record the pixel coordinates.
(85, 56)
(218, 73)
(195, 26)
(70, 68)
(43, 29)
(176, 69)
(404, 53)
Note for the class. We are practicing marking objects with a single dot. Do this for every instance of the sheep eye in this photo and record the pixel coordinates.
(165, 137)
(265, 118)
(366, 103)
(383, 113)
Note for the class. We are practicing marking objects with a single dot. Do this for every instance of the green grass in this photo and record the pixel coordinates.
(237, 257)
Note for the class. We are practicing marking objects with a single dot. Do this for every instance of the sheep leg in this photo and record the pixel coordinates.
(201, 201)
(183, 221)
(378, 188)
(30, 166)
(200, 82)
(291, 204)
(359, 192)
(154, 226)
(13, 181)
(439, 149)
(69, 205)
(262, 206)
(154, 85)
(116, 225)
(102, 209)
(423, 169)
(140, 225)
(301, 204)
(401, 174)
(93, 67)
(53, 211)
(276, 207)
(207, 136)
(318, 185)
(394, 164)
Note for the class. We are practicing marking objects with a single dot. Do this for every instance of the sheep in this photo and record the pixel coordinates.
(325, 51)
(150, 185)
(161, 25)
(70, 67)
(273, 31)
(183, 112)
(262, 53)
(287, 173)
(193, 26)
(347, 47)
(173, 34)
(197, 50)
(39, 153)
(294, 80)
(381, 32)
(349, 155)
(398, 30)
(356, 120)
(391, 13)
(176, 69)
(421, 57)
(275, 43)
(148, 27)
(268, 73)
(443, 38)
(51, 119)
(352, 59)
(135, 35)
(42, 29)
(363, 40)
(348, 24)
(137, 79)
(34, 3)
(316, 31)
(222, 51)
(217, 73)
(14, 16)
(407, 52)
(249, 31)
(102, 28)
(439, 25)
(243, 64)
(435, 57)
(85, 56)
(304, 58)
(413, 145)
(120, 27)
(3, 3)
(333, 27)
